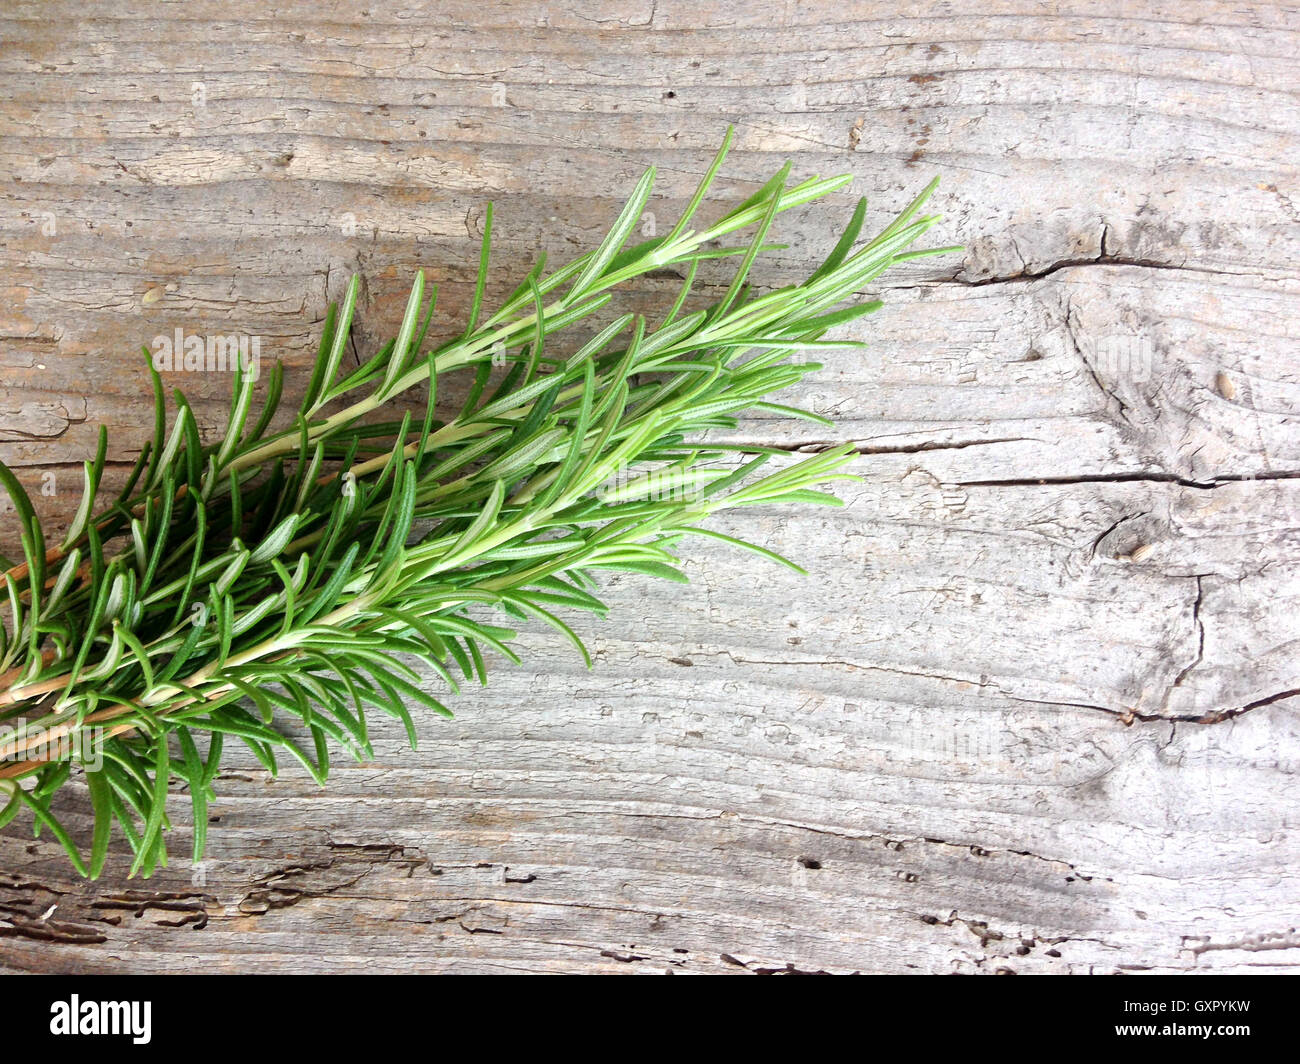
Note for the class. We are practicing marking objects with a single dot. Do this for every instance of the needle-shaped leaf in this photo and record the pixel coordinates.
(101, 801)
(402, 350)
(326, 369)
(480, 281)
(618, 234)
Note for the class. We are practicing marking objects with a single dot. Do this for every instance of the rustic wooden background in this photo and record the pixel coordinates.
(1035, 709)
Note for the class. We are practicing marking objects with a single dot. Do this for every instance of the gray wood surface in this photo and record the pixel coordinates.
(1035, 708)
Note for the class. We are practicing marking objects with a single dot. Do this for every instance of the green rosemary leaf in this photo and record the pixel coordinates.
(480, 282)
(845, 244)
(15, 803)
(271, 404)
(195, 776)
(618, 233)
(777, 188)
(528, 604)
(703, 188)
(274, 543)
(744, 544)
(45, 819)
(93, 471)
(137, 649)
(240, 404)
(101, 801)
(402, 350)
(482, 522)
(159, 420)
(333, 344)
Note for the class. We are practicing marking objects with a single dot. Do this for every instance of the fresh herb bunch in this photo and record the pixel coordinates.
(279, 576)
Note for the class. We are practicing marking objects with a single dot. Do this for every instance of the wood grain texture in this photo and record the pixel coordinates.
(1035, 708)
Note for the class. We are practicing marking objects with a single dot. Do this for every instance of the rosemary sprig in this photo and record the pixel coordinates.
(285, 575)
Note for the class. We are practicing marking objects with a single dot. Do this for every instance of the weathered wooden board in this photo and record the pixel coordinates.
(1034, 709)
